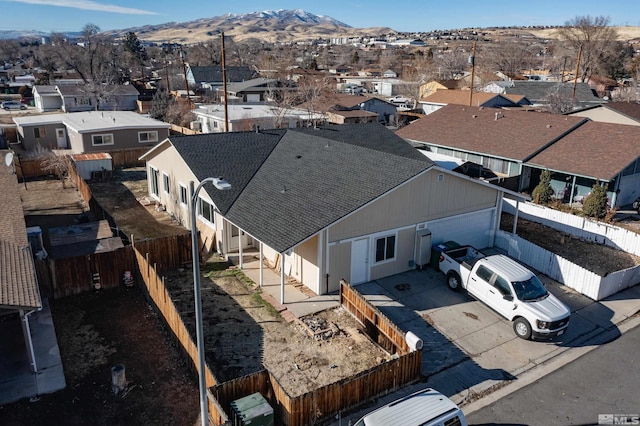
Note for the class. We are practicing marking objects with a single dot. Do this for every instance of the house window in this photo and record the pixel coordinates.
(205, 210)
(385, 248)
(183, 195)
(151, 136)
(166, 183)
(153, 173)
(39, 132)
(106, 139)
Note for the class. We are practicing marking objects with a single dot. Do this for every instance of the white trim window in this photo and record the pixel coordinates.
(153, 181)
(184, 199)
(166, 183)
(104, 139)
(39, 132)
(148, 136)
(385, 248)
(206, 211)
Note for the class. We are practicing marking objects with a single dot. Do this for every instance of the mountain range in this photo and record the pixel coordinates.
(269, 26)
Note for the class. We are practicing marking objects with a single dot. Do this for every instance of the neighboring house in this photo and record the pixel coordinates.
(430, 87)
(254, 90)
(342, 108)
(537, 92)
(594, 152)
(46, 98)
(242, 117)
(500, 140)
(346, 202)
(393, 86)
(441, 98)
(113, 97)
(19, 293)
(519, 145)
(75, 98)
(91, 131)
(210, 77)
(612, 112)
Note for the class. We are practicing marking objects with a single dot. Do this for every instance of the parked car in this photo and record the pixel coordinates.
(399, 99)
(427, 407)
(13, 105)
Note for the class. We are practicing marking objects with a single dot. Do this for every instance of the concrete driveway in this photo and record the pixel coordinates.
(468, 348)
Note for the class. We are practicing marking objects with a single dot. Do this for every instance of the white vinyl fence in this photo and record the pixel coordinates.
(560, 269)
(580, 227)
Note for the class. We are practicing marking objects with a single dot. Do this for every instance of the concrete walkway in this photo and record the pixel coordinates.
(16, 379)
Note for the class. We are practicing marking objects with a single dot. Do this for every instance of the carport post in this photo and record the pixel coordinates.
(282, 278)
(240, 247)
(261, 277)
(515, 217)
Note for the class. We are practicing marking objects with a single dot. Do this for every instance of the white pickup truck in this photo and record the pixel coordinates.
(508, 288)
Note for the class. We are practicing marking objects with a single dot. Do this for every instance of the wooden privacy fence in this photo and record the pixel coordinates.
(128, 157)
(29, 167)
(380, 328)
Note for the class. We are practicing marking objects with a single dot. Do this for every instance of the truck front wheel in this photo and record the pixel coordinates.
(522, 328)
(453, 279)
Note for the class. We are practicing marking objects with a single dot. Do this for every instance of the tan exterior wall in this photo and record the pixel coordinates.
(166, 161)
(339, 264)
(307, 264)
(606, 116)
(422, 199)
(405, 244)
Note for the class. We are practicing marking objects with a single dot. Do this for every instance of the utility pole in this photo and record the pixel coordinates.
(184, 70)
(472, 61)
(575, 78)
(224, 87)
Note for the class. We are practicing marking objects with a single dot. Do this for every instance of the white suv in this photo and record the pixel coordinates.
(13, 105)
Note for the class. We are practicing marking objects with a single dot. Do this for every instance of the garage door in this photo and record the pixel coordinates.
(473, 229)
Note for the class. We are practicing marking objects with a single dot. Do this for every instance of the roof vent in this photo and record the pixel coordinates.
(283, 190)
(548, 126)
(474, 116)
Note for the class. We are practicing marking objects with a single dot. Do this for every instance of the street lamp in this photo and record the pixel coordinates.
(222, 185)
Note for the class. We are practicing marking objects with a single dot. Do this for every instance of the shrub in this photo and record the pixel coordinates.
(543, 192)
(595, 205)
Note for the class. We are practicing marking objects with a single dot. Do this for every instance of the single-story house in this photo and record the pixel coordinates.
(430, 87)
(440, 98)
(19, 293)
(210, 77)
(345, 108)
(612, 112)
(519, 145)
(90, 131)
(537, 92)
(75, 98)
(241, 117)
(254, 90)
(351, 202)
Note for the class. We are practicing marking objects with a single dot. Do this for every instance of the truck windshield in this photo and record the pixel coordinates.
(531, 289)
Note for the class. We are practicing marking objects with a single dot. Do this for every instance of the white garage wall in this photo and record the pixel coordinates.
(475, 229)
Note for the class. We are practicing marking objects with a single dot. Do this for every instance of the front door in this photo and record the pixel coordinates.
(359, 261)
(61, 137)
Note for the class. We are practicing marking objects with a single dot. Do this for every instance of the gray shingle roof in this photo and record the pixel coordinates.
(18, 285)
(288, 184)
(537, 91)
(212, 74)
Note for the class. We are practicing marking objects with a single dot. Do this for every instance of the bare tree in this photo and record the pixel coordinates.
(560, 100)
(594, 37)
(451, 64)
(510, 57)
(53, 163)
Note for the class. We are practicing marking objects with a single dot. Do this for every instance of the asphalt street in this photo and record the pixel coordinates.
(602, 383)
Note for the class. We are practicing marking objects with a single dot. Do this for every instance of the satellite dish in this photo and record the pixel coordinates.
(8, 159)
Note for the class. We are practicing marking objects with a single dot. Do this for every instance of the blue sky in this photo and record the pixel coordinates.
(407, 15)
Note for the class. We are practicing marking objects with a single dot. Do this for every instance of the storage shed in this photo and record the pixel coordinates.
(97, 165)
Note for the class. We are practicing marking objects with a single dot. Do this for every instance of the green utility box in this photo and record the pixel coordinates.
(252, 410)
(436, 249)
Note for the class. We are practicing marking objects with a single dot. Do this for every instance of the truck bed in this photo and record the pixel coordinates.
(467, 256)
